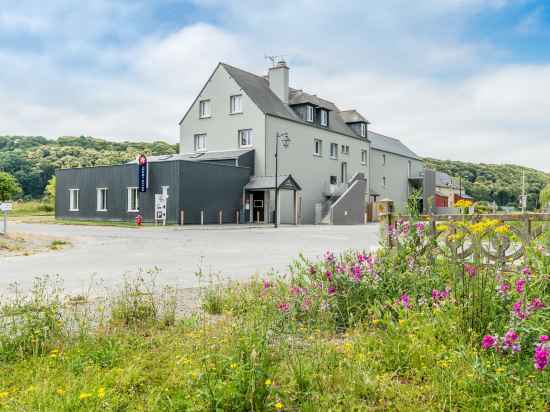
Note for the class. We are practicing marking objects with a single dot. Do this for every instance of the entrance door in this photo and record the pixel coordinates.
(343, 172)
(258, 207)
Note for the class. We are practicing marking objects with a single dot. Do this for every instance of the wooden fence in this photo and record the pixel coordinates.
(493, 238)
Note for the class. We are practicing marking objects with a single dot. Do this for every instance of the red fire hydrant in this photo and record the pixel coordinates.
(139, 220)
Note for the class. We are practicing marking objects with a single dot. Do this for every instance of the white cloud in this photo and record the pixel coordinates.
(439, 94)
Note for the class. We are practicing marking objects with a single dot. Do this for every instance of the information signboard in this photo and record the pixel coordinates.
(160, 208)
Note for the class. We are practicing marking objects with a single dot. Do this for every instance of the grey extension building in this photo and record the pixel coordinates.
(331, 168)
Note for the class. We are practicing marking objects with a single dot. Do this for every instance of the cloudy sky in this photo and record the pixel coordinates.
(454, 79)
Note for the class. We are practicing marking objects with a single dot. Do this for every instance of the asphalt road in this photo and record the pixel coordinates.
(109, 253)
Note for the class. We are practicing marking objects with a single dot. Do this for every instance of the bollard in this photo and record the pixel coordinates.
(182, 217)
(258, 217)
(237, 213)
(220, 216)
(202, 217)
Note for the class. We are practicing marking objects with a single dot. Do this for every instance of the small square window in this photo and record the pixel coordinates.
(324, 118)
(364, 157)
(245, 138)
(318, 147)
(133, 199)
(334, 151)
(204, 109)
(200, 142)
(310, 113)
(235, 104)
(74, 195)
(102, 199)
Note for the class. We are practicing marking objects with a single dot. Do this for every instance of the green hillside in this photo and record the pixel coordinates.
(33, 159)
(499, 183)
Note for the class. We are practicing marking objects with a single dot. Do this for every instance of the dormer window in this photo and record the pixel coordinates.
(363, 130)
(309, 113)
(324, 118)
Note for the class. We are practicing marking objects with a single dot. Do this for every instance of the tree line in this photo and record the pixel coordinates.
(32, 160)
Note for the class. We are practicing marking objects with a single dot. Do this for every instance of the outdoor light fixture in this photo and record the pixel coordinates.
(285, 141)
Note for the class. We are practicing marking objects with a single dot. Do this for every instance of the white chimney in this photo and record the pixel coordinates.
(278, 80)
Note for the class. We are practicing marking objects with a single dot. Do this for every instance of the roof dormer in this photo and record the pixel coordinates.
(356, 122)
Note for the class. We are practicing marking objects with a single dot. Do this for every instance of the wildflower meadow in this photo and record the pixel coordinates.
(412, 325)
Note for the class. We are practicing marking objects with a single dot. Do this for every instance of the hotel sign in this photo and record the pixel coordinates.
(142, 173)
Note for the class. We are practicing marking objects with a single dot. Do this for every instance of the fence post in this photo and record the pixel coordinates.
(387, 214)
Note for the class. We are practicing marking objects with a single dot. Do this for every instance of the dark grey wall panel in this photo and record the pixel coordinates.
(350, 208)
(211, 187)
(428, 190)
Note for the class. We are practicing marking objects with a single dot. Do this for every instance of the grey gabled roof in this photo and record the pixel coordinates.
(352, 116)
(257, 88)
(390, 145)
(268, 182)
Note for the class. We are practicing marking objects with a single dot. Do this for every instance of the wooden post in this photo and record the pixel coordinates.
(202, 217)
(295, 207)
(182, 217)
(220, 215)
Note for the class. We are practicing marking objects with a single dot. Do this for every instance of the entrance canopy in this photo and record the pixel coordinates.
(284, 182)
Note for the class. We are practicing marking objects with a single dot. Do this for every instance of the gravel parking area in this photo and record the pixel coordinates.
(236, 252)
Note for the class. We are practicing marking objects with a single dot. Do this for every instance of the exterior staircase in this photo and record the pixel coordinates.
(333, 193)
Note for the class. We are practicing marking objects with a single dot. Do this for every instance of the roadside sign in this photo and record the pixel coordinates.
(5, 207)
(143, 176)
(160, 208)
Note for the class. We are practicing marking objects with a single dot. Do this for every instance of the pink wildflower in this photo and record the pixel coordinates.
(331, 290)
(305, 304)
(544, 338)
(438, 295)
(536, 304)
(420, 226)
(312, 270)
(295, 290)
(520, 285)
(329, 256)
(518, 312)
(541, 356)
(511, 341)
(504, 288)
(405, 301)
(356, 272)
(329, 276)
(361, 258)
(284, 306)
(488, 342)
(267, 284)
(526, 271)
(470, 269)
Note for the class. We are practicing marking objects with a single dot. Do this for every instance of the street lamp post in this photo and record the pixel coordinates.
(285, 140)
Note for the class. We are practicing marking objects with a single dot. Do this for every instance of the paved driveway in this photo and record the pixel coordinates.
(108, 253)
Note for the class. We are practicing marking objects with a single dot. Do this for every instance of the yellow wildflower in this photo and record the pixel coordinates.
(4, 394)
(279, 406)
(84, 396)
(442, 228)
(268, 382)
(101, 392)
(502, 229)
(401, 322)
(463, 204)
(233, 366)
(60, 391)
(376, 322)
(499, 370)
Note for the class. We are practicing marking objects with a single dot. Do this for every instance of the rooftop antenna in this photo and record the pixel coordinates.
(274, 59)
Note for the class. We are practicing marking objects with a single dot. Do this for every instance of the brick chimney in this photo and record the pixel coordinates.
(278, 80)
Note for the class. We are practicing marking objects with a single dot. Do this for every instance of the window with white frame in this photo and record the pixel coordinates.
(133, 199)
(363, 157)
(317, 147)
(324, 117)
(235, 104)
(74, 195)
(200, 142)
(102, 199)
(309, 113)
(363, 129)
(245, 138)
(334, 150)
(204, 109)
